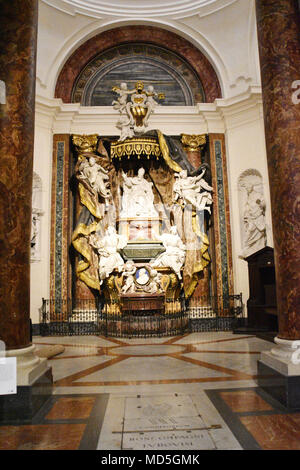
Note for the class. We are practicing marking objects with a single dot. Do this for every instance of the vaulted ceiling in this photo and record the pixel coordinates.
(137, 8)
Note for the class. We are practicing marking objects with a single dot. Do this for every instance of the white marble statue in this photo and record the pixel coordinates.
(136, 112)
(36, 213)
(193, 190)
(34, 235)
(154, 285)
(123, 92)
(174, 255)
(129, 270)
(137, 198)
(254, 220)
(107, 247)
(124, 124)
(96, 176)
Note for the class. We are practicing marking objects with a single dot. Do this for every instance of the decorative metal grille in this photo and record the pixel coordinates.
(66, 317)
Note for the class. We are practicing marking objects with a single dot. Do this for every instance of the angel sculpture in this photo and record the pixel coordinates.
(193, 190)
(95, 176)
(120, 103)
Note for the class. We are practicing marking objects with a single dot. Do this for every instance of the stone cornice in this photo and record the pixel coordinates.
(222, 115)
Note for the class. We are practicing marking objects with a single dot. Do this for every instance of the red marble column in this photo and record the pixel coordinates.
(18, 26)
(279, 47)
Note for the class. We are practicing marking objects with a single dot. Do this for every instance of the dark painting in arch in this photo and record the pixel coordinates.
(154, 65)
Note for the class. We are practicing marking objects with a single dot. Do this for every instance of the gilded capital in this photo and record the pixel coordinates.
(85, 143)
(193, 142)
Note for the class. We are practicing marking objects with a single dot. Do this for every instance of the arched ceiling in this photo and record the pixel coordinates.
(138, 8)
(94, 46)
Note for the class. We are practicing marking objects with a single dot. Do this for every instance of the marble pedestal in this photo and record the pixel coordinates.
(279, 373)
(34, 387)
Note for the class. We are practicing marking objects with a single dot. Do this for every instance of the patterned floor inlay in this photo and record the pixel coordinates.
(192, 392)
(183, 359)
(244, 401)
(275, 432)
(257, 420)
(64, 423)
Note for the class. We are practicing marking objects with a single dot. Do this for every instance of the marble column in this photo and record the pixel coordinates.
(193, 144)
(18, 26)
(279, 47)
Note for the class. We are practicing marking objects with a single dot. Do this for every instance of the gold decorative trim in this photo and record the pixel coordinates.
(85, 143)
(139, 146)
(192, 142)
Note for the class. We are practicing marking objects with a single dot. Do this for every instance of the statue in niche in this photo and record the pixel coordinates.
(193, 190)
(174, 256)
(138, 198)
(107, 248)
(254, 220)
(95, 176)
(137, 111)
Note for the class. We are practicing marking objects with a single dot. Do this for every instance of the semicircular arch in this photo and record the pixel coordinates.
(135, 33)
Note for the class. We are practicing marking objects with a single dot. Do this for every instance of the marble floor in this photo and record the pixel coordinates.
(191, 392)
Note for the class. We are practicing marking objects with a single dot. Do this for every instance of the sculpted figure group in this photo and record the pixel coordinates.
(138, 198)
(193, 190)
(95, 176)
(134, 114)
(138, 202)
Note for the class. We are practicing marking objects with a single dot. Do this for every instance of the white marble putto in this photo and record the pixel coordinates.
(174, 255)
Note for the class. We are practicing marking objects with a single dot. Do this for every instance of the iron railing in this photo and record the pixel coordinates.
(65, 317)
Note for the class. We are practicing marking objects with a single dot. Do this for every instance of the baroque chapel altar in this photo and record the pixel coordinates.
(140, 235)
